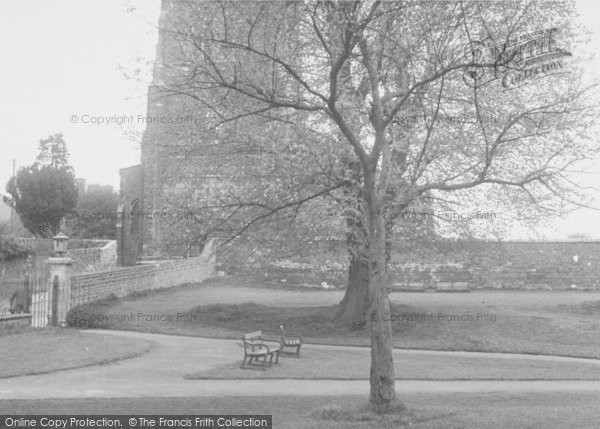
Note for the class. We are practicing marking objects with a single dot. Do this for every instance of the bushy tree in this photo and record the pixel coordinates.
(44, 192)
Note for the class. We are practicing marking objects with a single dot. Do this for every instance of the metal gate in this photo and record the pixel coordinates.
(8, 287)
(38, 293)
(26, 293)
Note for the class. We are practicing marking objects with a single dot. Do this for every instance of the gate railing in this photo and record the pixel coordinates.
(27, 293)
(38, 292)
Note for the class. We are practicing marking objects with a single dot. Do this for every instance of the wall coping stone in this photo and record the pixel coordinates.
(12, 317)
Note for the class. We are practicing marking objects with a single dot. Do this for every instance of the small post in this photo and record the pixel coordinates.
(27, 294)
(54, 314)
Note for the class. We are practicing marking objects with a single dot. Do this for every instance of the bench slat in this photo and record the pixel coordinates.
(253, 335)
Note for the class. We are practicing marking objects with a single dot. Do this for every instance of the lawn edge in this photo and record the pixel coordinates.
(191, 377)
(365, 346)
(150, 345)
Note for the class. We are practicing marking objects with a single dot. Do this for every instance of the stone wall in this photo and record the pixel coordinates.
(93, 259)
(85, 259)
(159, 274)
(533, 265)
(13, 323)
(484, 264)
(44, 245)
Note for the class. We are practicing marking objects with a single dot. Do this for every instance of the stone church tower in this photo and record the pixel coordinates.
(171, 122)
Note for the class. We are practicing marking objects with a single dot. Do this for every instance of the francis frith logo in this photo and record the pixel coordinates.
(516, 61)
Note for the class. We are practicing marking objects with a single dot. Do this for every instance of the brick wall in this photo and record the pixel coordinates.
(159, 274)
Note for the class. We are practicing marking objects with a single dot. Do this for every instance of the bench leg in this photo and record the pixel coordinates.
(277, 357)
(264, 363)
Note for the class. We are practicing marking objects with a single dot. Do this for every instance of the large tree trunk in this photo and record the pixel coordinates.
(353, 307)
(382, 366)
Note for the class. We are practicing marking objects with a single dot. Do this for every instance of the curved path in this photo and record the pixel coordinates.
(160, 373)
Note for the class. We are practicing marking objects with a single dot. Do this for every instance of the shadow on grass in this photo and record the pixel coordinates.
(310, 321)
(399, 415)
(433, 327)
(590, 307)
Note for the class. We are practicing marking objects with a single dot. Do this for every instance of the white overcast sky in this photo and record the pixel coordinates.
(60, 58)
(64, 57)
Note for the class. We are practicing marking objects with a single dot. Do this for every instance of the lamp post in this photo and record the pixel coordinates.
(59, 244)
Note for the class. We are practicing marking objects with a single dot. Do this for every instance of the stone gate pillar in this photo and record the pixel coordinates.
(59, 268)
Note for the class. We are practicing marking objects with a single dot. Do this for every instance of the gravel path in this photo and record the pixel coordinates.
(160, 373)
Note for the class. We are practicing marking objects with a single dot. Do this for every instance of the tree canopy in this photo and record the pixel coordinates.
(382, 105)
(44, 192)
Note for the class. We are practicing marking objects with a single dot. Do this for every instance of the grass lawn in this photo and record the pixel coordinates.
(39, 351)
(437, 410)
(319, 364)
(536, 323)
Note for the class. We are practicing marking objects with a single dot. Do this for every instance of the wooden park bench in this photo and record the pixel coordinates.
(452, 287)
(256, 348)
(290, 340)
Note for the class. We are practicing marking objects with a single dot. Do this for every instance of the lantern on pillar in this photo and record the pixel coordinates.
(59, 243)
